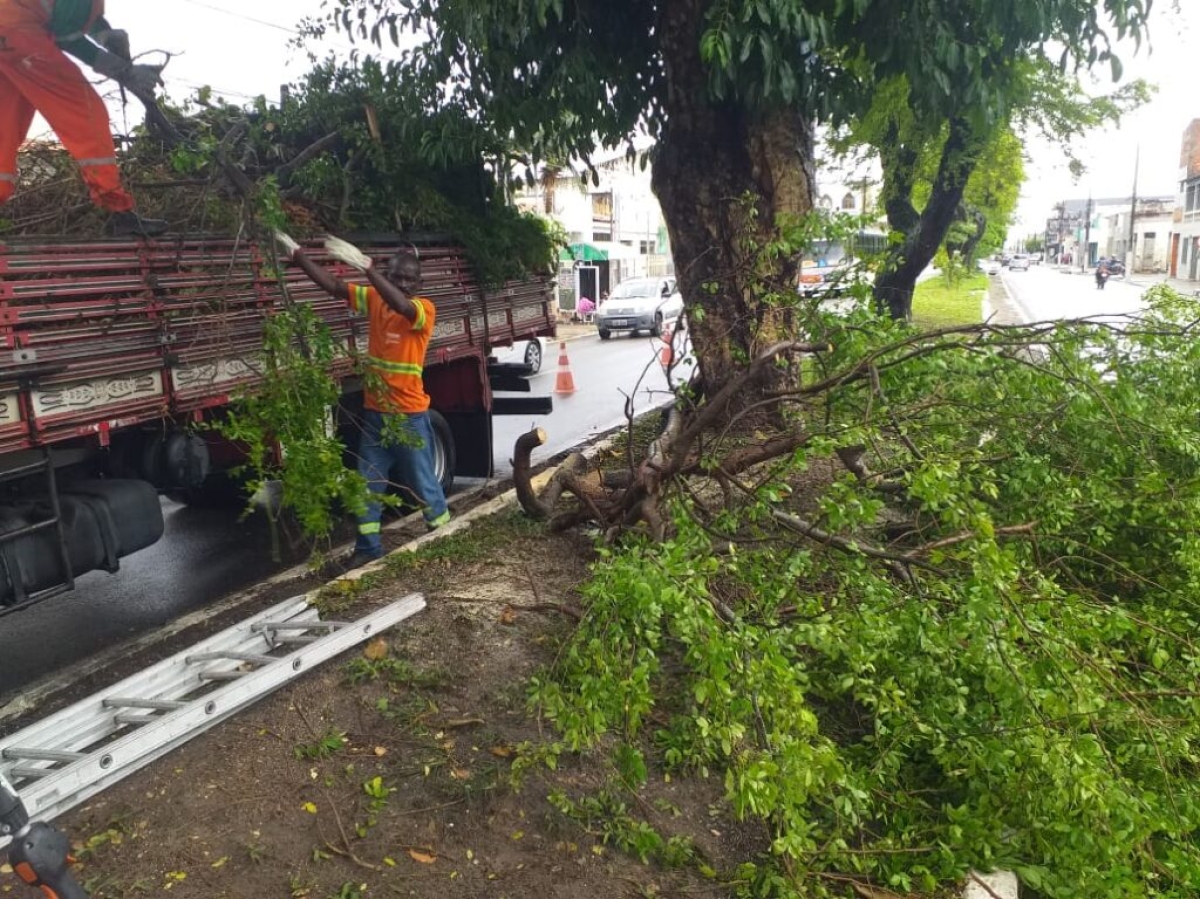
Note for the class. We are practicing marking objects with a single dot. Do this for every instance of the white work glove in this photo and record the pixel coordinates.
(347, 253)
(286, 244)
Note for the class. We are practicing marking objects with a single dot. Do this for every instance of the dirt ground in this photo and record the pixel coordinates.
(391, 775)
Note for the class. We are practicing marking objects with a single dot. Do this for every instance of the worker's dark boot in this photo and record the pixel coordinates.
(126, 224)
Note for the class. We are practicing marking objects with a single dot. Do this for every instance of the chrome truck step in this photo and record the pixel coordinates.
(66, 758)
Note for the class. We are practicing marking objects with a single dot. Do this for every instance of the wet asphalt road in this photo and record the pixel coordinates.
(207, 554)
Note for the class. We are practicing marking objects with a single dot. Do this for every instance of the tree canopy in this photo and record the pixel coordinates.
(730, 89)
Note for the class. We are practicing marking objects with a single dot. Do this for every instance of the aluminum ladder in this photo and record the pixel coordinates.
(68, 757)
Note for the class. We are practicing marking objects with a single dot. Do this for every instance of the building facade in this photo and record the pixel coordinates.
(1184, 251)
(613, 222)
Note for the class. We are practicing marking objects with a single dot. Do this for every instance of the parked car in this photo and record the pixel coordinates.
(1018, 263)
(989, 266)
(639, 304)
(531, 353)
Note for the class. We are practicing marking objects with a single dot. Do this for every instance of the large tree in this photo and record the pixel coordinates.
(939, 165)
(730, 89)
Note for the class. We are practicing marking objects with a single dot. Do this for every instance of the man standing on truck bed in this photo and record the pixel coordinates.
(36, 76)
(396, 432)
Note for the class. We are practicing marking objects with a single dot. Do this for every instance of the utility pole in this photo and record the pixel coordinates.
(1137, 159)
(1085, 253)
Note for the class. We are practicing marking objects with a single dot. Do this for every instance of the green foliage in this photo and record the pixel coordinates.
(332, 741)
(992, 663)
(285, 427)
(606, 815)
(414, 162)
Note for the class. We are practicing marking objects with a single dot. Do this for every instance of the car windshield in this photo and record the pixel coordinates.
(636, 290)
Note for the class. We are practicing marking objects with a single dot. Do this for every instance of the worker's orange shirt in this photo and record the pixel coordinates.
(51, 15)
(396, 349)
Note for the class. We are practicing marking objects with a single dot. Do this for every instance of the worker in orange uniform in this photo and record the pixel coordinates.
(396, 432)
(37, 76)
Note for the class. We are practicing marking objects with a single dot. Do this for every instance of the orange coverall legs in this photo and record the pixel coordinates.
(36, 76)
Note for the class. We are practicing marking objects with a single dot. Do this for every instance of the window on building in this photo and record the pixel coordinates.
(848, 201)
(1184, 251)
(602, 206)
(649, 247)
(601, 235)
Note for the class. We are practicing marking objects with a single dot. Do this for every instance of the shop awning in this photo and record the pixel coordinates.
(598, 251)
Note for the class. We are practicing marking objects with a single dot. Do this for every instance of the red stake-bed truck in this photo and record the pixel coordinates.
(115, 354)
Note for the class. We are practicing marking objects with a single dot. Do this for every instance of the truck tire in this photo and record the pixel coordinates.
(445, 455)
(605, 334)
(533, 356)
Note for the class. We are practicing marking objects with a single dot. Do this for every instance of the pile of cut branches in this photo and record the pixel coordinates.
(945, 620)
(350, 149)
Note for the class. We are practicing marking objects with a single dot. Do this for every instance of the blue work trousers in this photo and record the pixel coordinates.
(380, 455)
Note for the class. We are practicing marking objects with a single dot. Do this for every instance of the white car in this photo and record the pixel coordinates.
(989, 266)
(639, 304)
(524, 352)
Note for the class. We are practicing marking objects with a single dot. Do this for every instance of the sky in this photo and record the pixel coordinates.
(1170, 62)
(241, 49)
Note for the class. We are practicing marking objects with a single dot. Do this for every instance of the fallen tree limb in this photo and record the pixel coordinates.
(529, 500)
(896, 562)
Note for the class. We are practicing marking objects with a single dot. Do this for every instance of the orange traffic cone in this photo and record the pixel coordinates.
(667, 354)
(565, 384)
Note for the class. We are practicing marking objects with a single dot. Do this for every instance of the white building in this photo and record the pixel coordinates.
(1153, 225)
(616, 228)
(1185, 244)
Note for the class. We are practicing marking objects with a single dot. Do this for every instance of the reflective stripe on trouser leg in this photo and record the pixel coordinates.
(417, 471)
(41, 73)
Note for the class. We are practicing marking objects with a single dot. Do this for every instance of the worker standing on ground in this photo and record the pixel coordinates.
(36, 76)
(396, 431)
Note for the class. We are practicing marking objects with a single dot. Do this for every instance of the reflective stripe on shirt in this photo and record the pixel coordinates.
(396, 368)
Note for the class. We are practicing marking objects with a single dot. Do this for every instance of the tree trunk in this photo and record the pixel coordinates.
(923, 234)
(550, 175)
(723, 174)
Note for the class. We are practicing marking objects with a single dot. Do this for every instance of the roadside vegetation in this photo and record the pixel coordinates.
(942, 302)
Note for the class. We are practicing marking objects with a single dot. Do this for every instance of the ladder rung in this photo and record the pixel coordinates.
(294, 639)
(133, 719)
(222, 675)
(301, 625)
(42, 755)
(257, 658)
(158, 705)
(19, 771)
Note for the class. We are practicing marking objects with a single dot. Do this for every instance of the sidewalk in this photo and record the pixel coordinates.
(1179, 285)
(574, 330)
(1142, 280)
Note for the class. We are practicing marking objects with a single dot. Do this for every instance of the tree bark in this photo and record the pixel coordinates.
(723, 173)
(897, 279)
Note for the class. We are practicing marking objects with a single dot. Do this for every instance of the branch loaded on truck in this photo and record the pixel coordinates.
(117, 353)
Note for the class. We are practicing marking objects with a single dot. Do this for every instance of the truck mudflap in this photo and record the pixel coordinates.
(101, 521)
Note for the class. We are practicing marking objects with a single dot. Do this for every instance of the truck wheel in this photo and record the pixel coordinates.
(444, 453)
(533, 356)
(604, 334)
